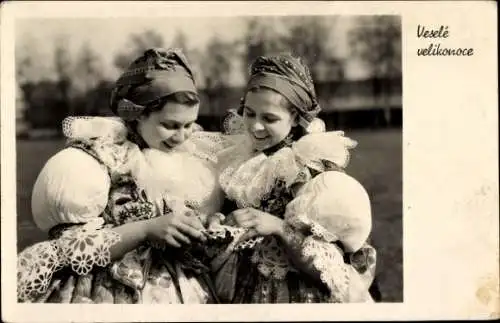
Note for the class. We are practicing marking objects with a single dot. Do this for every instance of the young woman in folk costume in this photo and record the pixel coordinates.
(309, 221)
(124, 201)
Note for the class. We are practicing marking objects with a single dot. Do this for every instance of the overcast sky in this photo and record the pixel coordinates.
(110, 36)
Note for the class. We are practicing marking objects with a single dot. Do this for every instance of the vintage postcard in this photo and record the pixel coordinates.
(249, 161)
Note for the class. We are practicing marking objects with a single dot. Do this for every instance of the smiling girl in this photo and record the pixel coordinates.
(123, 202)
(308, 220)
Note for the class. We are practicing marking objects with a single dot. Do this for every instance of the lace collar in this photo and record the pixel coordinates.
(247, 176)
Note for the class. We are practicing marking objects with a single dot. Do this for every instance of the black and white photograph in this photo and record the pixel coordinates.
(216, 159)
(318, 180)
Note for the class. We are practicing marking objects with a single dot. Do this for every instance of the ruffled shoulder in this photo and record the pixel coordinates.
(315, 148)
(72, 187)
(247, 176)
(333, 206)
(207, 145)
(104, 138)
(102, 128)
(237, 147)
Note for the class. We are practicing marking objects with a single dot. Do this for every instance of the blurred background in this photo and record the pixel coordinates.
(68, 67)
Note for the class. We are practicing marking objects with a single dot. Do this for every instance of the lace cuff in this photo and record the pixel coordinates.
(229, 240)
(293, 237)
(303, 223)
(81, 248)
(328, 260)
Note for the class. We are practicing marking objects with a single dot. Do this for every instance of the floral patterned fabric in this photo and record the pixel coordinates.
(74, 265)
(304, 185)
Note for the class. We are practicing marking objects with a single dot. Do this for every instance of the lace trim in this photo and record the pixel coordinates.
(233, 123)
(80, 248)
(271, 259)
(246, 178)
(86, 127)
(106, 139)
(303, 222)
(207, 145)
(311, 150)
(293, 237)
(232, 234)
(329, 261)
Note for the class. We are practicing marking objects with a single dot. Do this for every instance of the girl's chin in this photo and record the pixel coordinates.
(260, 146)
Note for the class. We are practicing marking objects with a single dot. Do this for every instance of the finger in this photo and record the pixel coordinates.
(171, 241)
(240, 212)
(214, 220)
(181, 237)
(248, 235)
(244, 218)
(248, 223)
(193, 222)
(189, 213)
(230, 220)
(214, 223)
(192, 232)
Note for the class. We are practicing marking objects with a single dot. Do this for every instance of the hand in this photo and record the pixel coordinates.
(215, 220)
(176, 229)
(262, 223)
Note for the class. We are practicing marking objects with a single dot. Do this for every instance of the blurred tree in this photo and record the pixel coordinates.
(89, 76)
(307, 37)
(138, 44)
(262, 38)
(24, 78)
(63, 76)
(30, 69)
(376, 40)
(193, 55)
(310, 37)
(180, 41)
(47, 108)
(216, 69)
(31, 64)
(25, 65)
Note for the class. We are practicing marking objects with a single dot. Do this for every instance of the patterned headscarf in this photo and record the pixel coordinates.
(151, 77)
(290, 77)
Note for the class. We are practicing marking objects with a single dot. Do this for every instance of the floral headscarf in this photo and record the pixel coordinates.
(151, 77)
(290, 77)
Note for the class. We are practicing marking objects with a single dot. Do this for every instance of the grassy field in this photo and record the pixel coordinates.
(376, 163)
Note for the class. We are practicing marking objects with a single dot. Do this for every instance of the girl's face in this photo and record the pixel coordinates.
(267, 118)
(168, 127)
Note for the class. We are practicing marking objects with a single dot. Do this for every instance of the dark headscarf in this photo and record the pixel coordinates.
(290, 77)
(151, 77)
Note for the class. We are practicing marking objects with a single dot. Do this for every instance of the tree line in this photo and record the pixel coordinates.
(79, 87)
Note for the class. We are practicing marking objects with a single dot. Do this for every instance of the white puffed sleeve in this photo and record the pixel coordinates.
(334, 206)
(71, 188)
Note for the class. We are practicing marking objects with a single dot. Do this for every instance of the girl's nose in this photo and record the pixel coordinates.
(180, 135)
(257, 126)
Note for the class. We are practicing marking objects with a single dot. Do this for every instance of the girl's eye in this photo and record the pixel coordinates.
(169, 126)
(188, 125)
(270, 119)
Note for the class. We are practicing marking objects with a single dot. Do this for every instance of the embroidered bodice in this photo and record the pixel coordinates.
(100, 167)
(296, 183)
(102, 180)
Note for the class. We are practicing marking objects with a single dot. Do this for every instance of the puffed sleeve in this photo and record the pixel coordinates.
(72, 188)
(333, 207)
